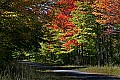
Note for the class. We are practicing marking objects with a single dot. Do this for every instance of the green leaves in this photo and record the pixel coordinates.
(83, 19)
(118, 25)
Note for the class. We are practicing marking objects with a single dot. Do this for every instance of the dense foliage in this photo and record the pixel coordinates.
(43, 30)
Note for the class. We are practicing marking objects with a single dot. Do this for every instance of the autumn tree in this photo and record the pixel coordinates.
(108, 18)
(107, 13)
(62, 30)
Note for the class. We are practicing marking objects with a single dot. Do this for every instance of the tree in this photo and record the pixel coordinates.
(21, 30)
(107, 13)
(108, 17)
(62, 30)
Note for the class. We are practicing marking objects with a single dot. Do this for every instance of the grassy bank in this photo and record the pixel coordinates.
(107, 70)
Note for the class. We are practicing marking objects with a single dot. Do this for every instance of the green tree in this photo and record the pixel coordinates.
(20, 30)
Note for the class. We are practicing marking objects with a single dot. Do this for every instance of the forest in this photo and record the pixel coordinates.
(62, 32)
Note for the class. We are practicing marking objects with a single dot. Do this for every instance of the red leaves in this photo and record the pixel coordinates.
(69, 26)
(49, 12)
(70, 43)
(64, 25)
(63, 21)
(55, 27)
(61, 16)
(62, 38)
(66, 12)
(67, 2)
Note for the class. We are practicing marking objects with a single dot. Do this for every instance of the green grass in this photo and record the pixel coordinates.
(106, 70)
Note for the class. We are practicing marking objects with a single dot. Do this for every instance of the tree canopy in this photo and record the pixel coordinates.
(37, 29)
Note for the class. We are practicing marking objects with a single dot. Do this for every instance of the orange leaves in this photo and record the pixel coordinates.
(62, 38)
(69, 42)
(61, 19)
(83, 12)
(66, 2)
(96, 13)
(72, 33)
(61, 16)
(101, 21)
(68, 34)
(66, 24)
(107, 10)
(53, 27)
(69, 24)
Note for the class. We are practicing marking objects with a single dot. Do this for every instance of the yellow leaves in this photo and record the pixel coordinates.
(96, 14)
(9, 14)
(103, 17)
(101, 21)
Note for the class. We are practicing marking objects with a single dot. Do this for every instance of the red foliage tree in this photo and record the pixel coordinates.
(64, 24)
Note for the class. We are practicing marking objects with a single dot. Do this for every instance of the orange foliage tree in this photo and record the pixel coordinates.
(107, 11)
